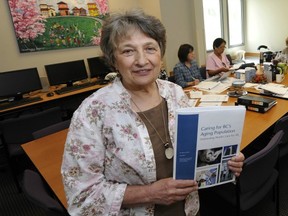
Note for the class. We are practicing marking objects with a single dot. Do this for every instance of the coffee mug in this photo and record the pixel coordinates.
(279, 78)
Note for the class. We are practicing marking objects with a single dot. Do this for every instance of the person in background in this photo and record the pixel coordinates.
(283, 56)
(163, 73)
(186, 72)
(217, 62)
(118, 156)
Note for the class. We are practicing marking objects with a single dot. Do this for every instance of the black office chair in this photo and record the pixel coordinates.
(230, 59)
(258, 178)
(17, 131)
(171, 78)
(203, 73)
(282, 124)
(51, 129)
(37, 191)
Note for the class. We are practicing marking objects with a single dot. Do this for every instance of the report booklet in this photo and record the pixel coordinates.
(206, 138)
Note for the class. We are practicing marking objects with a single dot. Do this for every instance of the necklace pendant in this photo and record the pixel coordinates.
(169, 152)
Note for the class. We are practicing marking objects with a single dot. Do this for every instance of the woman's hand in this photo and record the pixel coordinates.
(168, 191)
(196, 81)
(224, 69)
(236, 164)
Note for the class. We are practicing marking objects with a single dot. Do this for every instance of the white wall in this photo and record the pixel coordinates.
(266, 24)
(183, 19)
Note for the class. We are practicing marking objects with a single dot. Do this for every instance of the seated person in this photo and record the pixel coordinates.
(283, 57)
(163, 74)
(217, 61)
(186, 72)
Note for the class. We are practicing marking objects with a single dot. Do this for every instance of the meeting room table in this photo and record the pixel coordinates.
(46, 152)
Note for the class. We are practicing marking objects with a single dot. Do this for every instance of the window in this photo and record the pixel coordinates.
(223, 18)
(212, 21)
(235, 24)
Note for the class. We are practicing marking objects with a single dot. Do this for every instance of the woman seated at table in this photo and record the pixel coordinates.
(217, 62)
(186, 72)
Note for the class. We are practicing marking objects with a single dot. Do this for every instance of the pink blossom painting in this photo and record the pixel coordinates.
(54, 24)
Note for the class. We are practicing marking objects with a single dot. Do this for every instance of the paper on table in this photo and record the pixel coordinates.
(219, 88)
(207, 85)
(214, 98)
(195, 94)
(193, 102)
(274, 89)
(205, 104)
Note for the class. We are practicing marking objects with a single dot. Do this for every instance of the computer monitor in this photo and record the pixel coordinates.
(98, 67)
(66, 72)
(18, 82)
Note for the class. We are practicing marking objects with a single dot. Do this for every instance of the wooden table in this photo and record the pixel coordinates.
(46, 153)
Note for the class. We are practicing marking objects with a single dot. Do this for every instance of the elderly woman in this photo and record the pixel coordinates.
(119, 149)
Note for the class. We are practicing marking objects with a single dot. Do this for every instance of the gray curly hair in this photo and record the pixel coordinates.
(117, 26)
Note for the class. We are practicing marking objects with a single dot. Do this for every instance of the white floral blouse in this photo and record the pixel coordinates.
(108, 148)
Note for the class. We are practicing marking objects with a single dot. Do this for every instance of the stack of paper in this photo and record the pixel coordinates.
(274, 88)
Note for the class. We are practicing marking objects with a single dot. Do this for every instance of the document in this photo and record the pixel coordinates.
(206, 139)
(274, 88)
(214, 98)
(207, 85)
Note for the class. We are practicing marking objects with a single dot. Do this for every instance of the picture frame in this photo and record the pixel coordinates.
(42, 25)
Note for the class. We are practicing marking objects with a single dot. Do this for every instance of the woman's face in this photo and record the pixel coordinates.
(220, 49)
(190, 56)
(138, 59)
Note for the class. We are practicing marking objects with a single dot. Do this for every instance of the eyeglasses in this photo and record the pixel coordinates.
(224, 65)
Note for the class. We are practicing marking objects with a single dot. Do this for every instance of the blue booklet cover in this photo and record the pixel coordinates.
(206, 138)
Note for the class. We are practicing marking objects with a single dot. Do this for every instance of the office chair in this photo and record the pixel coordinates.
(17, 131)
(258, 178)
(282, 124)
(171, 78)
(202, 71)
(230, 59)
(36, 190)
(51, 129)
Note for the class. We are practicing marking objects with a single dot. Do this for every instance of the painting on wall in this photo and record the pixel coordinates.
(54, 24)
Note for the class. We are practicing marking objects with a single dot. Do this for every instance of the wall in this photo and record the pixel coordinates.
(169, 11)
(266, 24)
(12, 59)
(183, 19)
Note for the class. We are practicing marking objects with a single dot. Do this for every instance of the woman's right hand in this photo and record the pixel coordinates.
(168, 191)
(223, 69)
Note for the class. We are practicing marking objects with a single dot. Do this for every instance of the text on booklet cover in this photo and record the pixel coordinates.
(206, 138)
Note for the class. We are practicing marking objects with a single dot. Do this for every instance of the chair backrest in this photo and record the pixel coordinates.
(282, 124)
(36, 190)
(171, 78)
(259, 167)
(19, 130)
(202, 71)
(229, 58)
(51, 129)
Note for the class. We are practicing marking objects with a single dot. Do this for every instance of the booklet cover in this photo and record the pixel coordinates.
(206, 138)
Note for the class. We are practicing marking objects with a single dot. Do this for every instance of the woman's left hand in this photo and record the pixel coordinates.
(236, 164)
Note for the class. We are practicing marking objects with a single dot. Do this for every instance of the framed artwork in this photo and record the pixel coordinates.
(54, 24)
